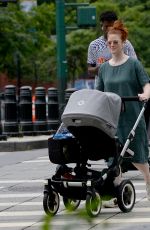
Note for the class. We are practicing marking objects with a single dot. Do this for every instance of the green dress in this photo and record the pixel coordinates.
(127, 79)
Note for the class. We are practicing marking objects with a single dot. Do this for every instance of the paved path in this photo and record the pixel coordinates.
(21, 195)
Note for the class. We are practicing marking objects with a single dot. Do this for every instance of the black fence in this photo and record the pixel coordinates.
(29, 114)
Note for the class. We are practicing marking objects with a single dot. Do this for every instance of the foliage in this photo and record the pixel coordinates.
(138, 21)
(26, 35)
(30, 36)
(77, 51)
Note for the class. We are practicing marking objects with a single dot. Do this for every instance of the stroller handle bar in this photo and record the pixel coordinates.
(128, 98)
(133, 98)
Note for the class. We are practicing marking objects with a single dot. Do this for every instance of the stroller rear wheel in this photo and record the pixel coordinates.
(126, 196)
(51, 202)
(93, 204)
(71, 204)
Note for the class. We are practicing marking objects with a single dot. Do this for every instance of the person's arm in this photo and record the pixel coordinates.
(92, 70)
(99, 84)
(143, 80)
(129, 49)
(91, 62)
(146, 93)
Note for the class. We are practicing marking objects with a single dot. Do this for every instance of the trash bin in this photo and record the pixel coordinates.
(53, 109)
(40, 124)
(25, 107)
(11, 126)
(68, 93)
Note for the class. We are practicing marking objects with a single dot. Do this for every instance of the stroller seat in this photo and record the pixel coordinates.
(84, 143)
(96, 144)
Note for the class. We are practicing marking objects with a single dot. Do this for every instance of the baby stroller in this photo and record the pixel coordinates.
(88, 133)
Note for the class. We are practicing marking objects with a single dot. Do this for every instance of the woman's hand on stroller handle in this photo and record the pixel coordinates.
(132, 98)
(143, 97)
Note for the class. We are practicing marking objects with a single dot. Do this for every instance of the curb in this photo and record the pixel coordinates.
(24, 143)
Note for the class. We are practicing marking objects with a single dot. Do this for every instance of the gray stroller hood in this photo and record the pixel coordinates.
(88, 107)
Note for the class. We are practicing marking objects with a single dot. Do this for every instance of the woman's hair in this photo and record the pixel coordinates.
(118, 28)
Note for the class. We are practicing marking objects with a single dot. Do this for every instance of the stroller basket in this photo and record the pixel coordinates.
(64, 151)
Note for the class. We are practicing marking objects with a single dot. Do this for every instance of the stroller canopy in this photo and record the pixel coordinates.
(88, 107)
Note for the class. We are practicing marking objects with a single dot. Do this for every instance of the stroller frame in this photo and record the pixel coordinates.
(83, 183)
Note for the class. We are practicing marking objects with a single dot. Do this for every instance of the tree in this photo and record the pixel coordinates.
(31, 37)
(27, 34)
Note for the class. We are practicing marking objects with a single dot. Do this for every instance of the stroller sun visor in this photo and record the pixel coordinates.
(88, 107)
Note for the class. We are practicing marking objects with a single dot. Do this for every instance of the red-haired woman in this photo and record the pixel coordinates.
(126, 76)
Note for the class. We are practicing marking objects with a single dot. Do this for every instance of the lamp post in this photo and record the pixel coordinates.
(86, 17)
(18, 74)
(61, 53)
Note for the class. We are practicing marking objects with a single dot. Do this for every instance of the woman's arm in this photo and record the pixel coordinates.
(146, 93)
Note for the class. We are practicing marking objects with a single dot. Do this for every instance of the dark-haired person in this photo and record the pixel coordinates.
(98, 51)
(126, 76)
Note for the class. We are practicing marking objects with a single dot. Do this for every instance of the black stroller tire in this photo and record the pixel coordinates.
(71, 204)
(93, 204)
(51, 203)
(126, 196)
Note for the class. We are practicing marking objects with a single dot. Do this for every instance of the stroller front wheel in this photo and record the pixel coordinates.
(71, 204)
(126, 196)
(93, 204)
(51, 202)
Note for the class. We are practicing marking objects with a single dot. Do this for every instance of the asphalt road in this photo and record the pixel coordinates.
(22, 176)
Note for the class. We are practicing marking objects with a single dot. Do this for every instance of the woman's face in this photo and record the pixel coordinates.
(115, 43)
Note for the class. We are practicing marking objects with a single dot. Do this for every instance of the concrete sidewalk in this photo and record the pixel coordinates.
(24, 143)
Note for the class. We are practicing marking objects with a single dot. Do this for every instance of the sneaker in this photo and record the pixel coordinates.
(148, 191)
(110, 203)
(68, 176)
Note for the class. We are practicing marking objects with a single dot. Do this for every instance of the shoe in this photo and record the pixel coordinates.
(148, 191)
(110, 203)
(68, 176)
